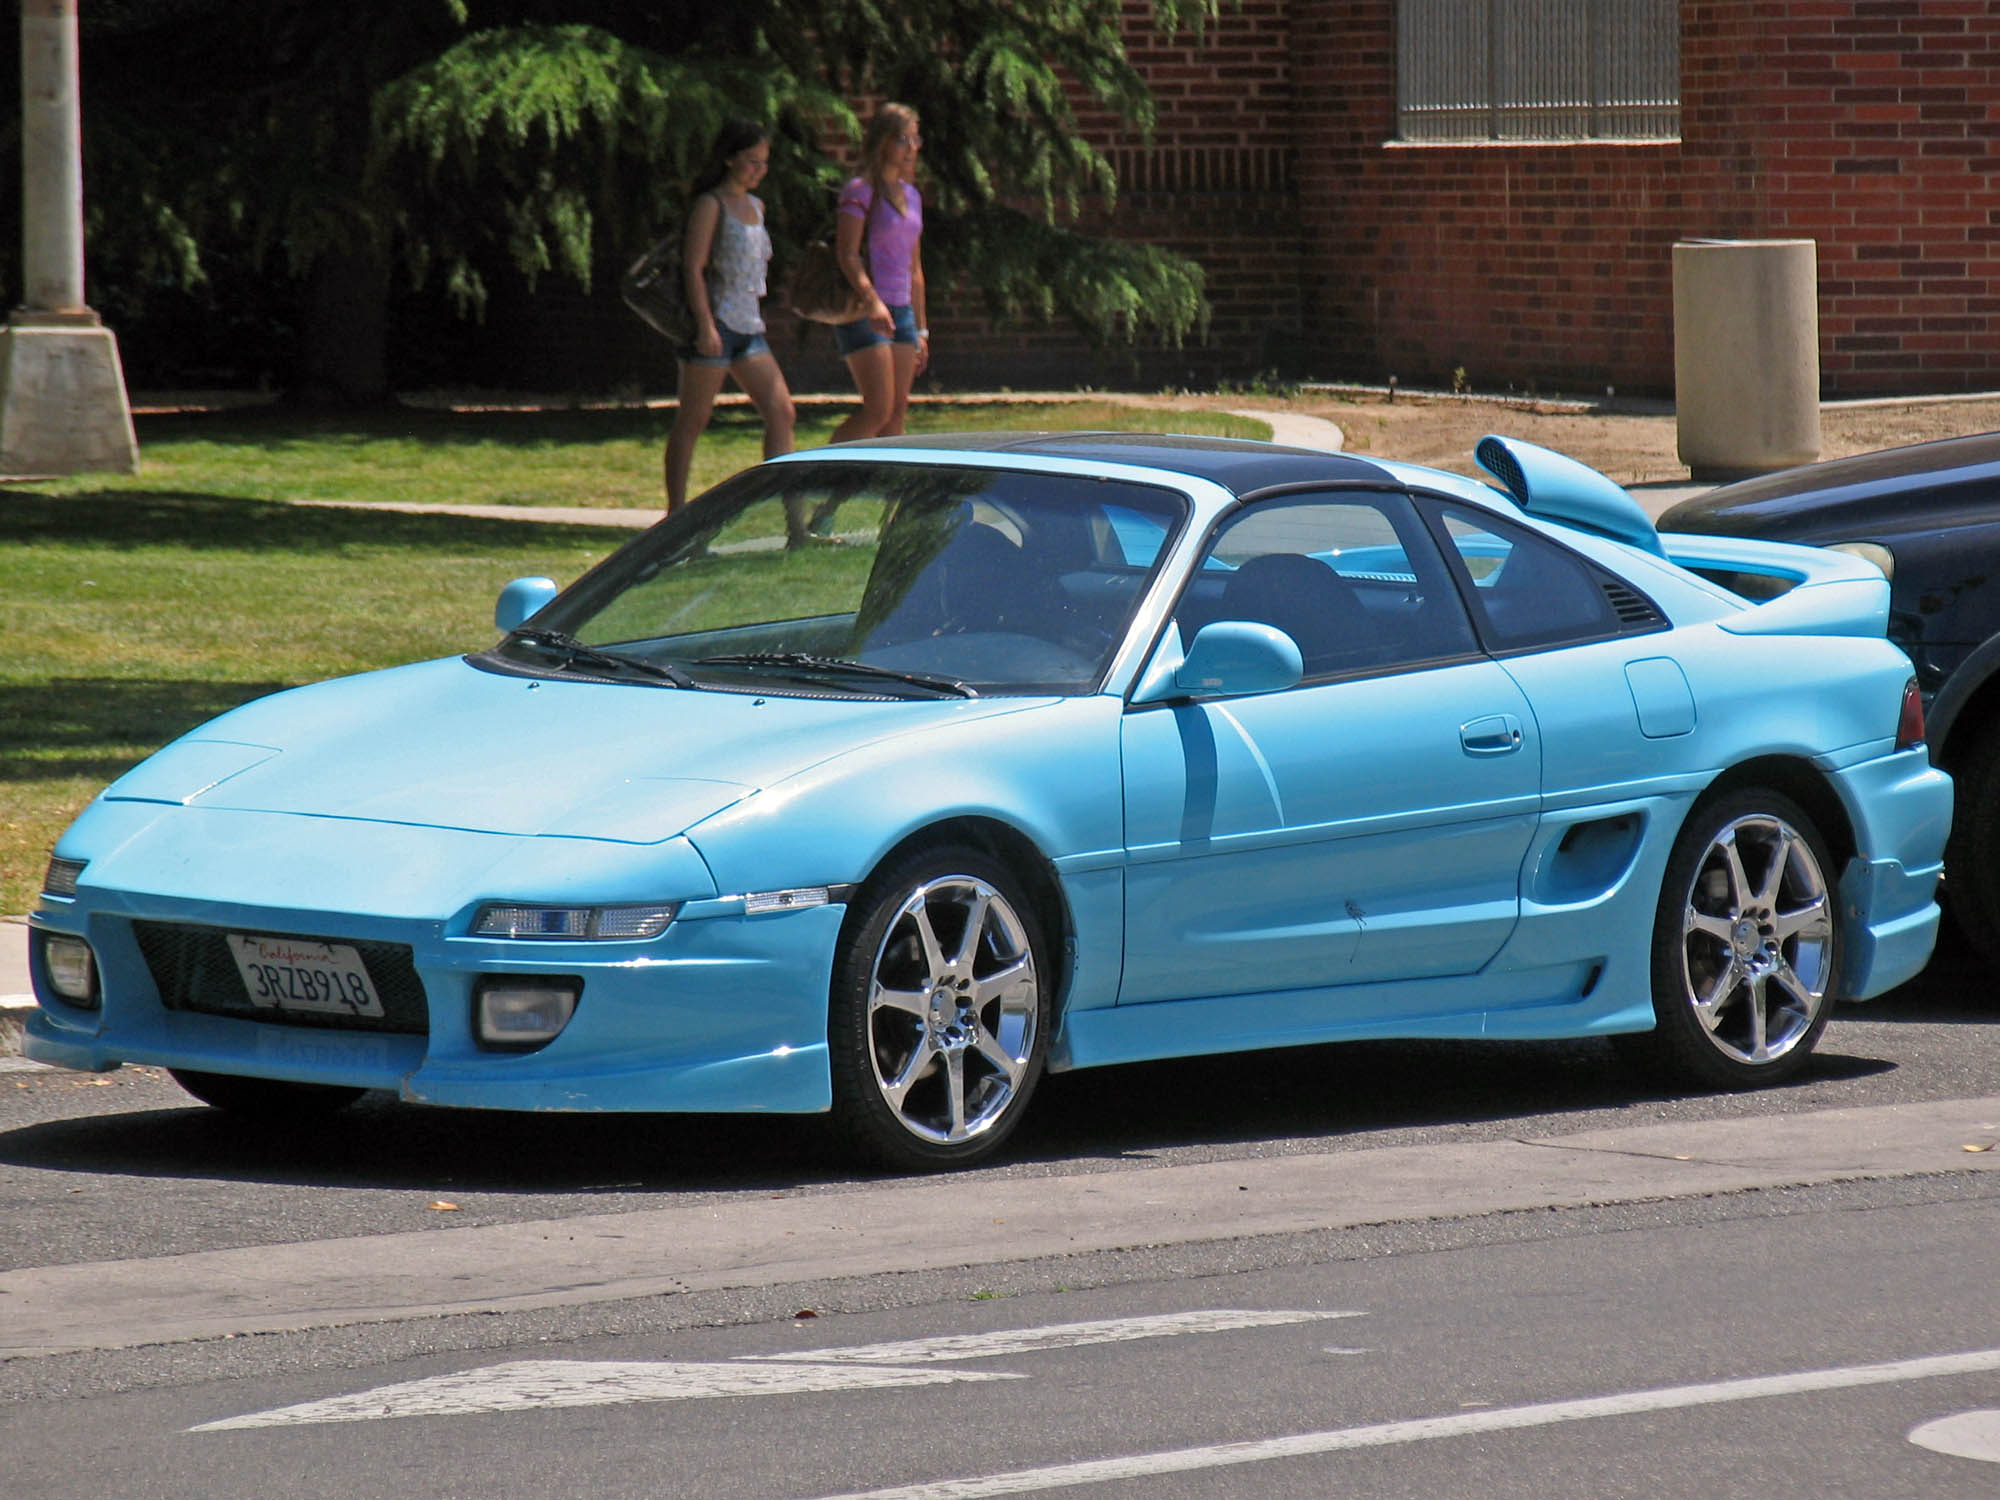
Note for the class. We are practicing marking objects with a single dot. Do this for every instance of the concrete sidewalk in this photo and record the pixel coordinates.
(16, 995)
(13, 958)
(798, 1238)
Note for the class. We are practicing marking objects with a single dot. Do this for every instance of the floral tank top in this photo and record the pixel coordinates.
(737, 262)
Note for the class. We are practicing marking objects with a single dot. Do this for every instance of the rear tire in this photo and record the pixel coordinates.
(1972, 882)
(271, 1099)
(1746, 944)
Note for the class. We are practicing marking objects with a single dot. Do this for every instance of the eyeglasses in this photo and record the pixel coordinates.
(912, 141)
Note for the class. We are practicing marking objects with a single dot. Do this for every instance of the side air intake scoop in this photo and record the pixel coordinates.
(1547, 484)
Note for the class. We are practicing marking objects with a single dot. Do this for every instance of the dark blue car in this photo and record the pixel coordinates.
(1929, 516)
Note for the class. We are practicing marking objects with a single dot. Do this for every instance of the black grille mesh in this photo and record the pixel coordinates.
(193, 969)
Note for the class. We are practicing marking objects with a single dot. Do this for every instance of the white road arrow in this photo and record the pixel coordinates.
(1055, 1336)
(538, 1384)
(534, 1384)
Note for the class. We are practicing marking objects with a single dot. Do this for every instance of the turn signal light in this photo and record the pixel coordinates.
(596, 924)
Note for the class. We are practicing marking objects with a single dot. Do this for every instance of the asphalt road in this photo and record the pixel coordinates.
(1837, 1342)
(97, 1167)
(1518, 1225)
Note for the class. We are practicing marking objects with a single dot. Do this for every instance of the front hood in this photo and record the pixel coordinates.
(446, 745)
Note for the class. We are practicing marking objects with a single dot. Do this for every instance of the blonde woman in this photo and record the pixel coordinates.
(724, 259)
(882, 212)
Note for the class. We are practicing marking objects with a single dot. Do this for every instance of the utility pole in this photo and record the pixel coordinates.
(63, 408)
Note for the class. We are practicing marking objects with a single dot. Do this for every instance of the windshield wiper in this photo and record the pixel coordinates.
(574, 651)
(834, 666)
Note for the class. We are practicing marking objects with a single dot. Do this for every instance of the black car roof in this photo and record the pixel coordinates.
(1237, 464)
(1867, 468)
(1949, 475)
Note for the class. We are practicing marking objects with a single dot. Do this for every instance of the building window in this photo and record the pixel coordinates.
(1538, 70)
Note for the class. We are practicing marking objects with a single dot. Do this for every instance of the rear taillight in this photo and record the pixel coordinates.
(1910, 723)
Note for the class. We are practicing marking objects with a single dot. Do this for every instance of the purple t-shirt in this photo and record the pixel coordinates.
(892, 237)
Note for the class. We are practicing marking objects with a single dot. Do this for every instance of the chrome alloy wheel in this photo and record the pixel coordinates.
(1757, 939)
(954, 1009)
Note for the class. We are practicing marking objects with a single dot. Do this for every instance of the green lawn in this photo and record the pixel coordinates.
(131, 609)
(543, 457)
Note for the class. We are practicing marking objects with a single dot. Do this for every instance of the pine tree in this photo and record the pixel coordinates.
(342, 145)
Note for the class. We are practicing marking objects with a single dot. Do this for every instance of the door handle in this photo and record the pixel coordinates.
(1496, 734)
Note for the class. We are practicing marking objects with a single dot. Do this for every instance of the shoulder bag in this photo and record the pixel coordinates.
(654, 288)
(818, 290)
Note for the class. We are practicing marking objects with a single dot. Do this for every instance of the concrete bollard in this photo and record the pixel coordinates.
(1746, 355)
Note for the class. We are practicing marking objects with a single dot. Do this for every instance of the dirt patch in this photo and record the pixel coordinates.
(1632, 447)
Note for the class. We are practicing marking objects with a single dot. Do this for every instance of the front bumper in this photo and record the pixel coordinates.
(722, 1012)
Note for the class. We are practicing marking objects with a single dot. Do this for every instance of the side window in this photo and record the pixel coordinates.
(1531, 592)
(1353, 579)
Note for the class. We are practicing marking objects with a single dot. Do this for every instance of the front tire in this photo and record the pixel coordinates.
(939, 1013)
(1746, 943)
(273, 1099)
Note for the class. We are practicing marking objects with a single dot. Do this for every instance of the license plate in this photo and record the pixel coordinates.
(294, 974)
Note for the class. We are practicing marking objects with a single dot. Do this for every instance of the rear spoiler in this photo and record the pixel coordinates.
(1798, 590)
(1817, 591)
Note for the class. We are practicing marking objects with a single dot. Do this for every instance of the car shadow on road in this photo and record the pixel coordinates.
(1955, 989)
(1365, 1094)
(380, 1143)
(1341, 1097)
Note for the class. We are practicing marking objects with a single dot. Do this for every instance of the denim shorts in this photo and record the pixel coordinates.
(735, 346)
(862, 334)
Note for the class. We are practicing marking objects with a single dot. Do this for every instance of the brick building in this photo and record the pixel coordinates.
(1869, 126)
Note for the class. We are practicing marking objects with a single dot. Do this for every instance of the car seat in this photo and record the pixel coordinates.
(1309, 602)
(979, 581)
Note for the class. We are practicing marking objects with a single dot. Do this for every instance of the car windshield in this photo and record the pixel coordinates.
(871, 580)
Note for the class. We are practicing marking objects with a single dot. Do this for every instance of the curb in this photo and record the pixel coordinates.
(13, 1020)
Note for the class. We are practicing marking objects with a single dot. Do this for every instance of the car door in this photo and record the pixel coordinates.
(1585, 649)
(1367, 824)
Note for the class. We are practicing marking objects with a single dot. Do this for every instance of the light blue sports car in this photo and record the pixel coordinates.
(886, 777)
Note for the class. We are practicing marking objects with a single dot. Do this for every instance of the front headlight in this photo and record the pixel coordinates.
(1873, 552)
(575, 924)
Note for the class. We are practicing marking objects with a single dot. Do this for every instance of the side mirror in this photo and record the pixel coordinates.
(1228, 659)
(520, 599)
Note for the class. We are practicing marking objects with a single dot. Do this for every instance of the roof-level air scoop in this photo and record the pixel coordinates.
(1561, 489)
